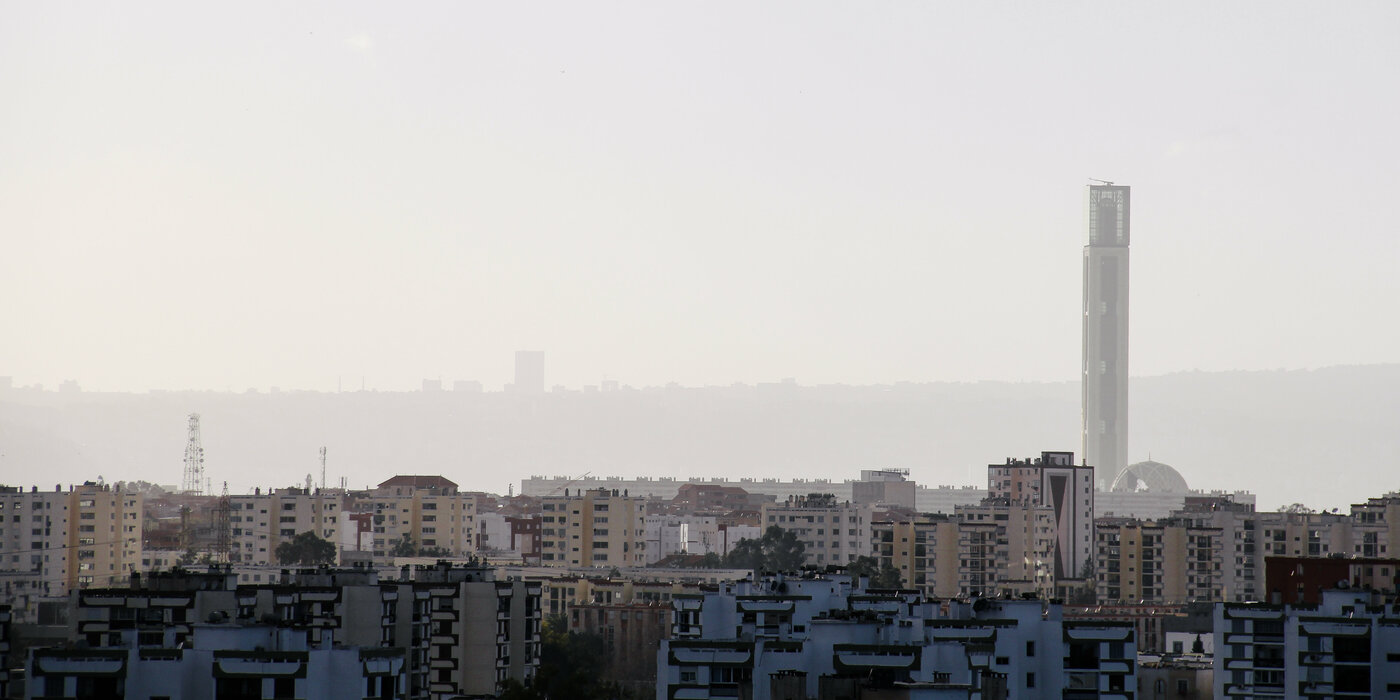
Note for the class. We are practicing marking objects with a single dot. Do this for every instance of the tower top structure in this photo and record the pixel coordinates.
(1108, 215)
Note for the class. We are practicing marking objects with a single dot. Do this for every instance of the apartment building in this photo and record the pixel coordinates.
(1303, 579)
(1247, 537)
(1376, 526)
(6, 616)
(56, 541)
(219, 661)
(1342, 647)
(832, 531)
(822, 636)
(594, 527)
(631, 633)
(998, 547)
(1005, 547)
(459, 629)
(479, 631)
(416, 512)
(925, 551)
(1053, 480)
(885, 487)
(261, 521)
(1166, 561)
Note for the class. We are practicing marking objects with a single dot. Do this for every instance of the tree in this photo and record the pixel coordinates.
(711, 560)
(407, 548)
(777, 550)
(880, 575)
(189, 557)
(404, 548)
(1085, 593)
(570, 667)
(306, 549)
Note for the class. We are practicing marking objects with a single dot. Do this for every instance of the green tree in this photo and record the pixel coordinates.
(570, 667)
(777, 550)
(881, 576)
(306, 549)
(189, 557)
(404, 548)
(1085, 593)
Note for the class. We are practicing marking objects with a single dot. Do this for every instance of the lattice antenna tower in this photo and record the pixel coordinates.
(224, 543)
(194, 460)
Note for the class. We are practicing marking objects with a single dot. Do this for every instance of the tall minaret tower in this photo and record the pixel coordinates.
(1104, 382)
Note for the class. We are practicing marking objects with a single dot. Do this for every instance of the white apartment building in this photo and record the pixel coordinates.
(666, 535)
(1344, 647)
(219, 661)
(824, 636)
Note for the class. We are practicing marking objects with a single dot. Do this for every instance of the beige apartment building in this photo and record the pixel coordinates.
(594, 527)
(1005, 547)
(419, 513)
(1376, 526)
(832, 531)
(924, 550)
(259, 522)
(1166, 561)
(56, 541)
(428, 511)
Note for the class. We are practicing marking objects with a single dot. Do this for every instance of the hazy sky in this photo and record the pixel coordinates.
(696, 192)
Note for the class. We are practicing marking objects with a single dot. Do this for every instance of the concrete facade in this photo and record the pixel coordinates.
(1343, 647)
(593, 527)
(1105, 330)
(825, 636)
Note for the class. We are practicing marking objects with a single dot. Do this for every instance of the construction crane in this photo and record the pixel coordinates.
(1101, 182)
(194, 459)
(567, 484)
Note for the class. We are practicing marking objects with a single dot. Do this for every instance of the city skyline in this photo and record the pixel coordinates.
(836, 195)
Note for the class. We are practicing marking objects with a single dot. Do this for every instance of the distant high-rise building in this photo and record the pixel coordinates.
(1104, 381)
(529, 372)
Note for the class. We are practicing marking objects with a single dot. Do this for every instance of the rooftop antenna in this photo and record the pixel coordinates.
(224, 543)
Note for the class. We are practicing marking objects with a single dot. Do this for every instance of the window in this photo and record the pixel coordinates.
(1030, 648)
(1030, 680)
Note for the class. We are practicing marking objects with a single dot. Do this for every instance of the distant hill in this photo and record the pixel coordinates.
(1324, 437)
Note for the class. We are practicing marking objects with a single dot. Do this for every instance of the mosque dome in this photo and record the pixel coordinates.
(1149, 476)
